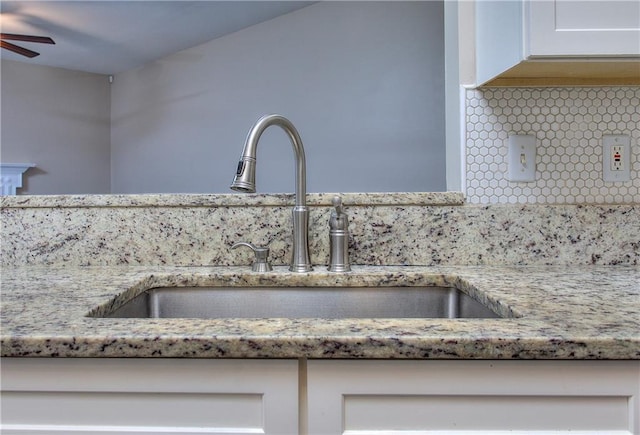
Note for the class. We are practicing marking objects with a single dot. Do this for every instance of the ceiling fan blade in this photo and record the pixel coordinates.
(16, 49)
(27, 38)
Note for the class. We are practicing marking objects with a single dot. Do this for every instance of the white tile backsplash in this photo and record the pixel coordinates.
(568, 124)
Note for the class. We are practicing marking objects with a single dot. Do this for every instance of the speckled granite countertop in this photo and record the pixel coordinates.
(558, 313)
(219, 199)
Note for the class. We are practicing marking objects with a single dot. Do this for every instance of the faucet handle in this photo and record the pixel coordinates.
(338, 219)
(338, 238)
(261, 262)
(337, 204)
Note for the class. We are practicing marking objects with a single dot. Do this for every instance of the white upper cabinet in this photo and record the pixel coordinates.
(557, 42)
(583, 28)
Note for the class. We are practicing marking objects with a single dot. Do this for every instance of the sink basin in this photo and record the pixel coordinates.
(303, 302)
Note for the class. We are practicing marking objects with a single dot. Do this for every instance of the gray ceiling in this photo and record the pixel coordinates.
(109, 37)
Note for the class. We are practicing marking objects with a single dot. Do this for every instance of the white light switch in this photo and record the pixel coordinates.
(616, 161)
(522, 158)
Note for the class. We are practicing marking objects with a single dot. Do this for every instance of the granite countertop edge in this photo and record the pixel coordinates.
(229, 200)
(558, 312)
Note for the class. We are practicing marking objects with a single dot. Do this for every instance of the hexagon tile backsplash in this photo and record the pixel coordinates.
(568, 124)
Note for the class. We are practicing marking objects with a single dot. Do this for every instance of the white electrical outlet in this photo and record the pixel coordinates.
(522, 158)
(616, 162)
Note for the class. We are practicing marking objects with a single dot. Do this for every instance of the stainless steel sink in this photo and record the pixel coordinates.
(303, 302)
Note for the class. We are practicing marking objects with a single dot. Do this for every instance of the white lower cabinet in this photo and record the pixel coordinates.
(148, 396)
(317, 397)
(479, 397)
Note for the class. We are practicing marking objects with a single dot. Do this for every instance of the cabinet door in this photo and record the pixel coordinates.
(148, 396)
(400, 397)
(583, 28)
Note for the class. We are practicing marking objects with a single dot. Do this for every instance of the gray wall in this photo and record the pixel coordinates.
(59, 120)
(362, 81)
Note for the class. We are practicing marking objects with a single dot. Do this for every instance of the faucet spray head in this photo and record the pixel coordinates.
(245, 178)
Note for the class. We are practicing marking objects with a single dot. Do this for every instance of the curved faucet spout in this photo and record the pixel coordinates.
(244, 181)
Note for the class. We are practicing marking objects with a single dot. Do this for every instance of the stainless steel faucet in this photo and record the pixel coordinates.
(245, 181)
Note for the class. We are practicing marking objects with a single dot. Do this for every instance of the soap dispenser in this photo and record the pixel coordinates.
(338, 238)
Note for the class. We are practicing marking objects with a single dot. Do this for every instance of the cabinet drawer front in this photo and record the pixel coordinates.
(151, 410)
(361, 397)
(150, 396)
(484, 412)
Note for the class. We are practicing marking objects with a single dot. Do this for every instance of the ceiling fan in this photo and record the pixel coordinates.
(25, 38)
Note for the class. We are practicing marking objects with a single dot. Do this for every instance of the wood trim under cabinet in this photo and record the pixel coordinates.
(564, 73)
